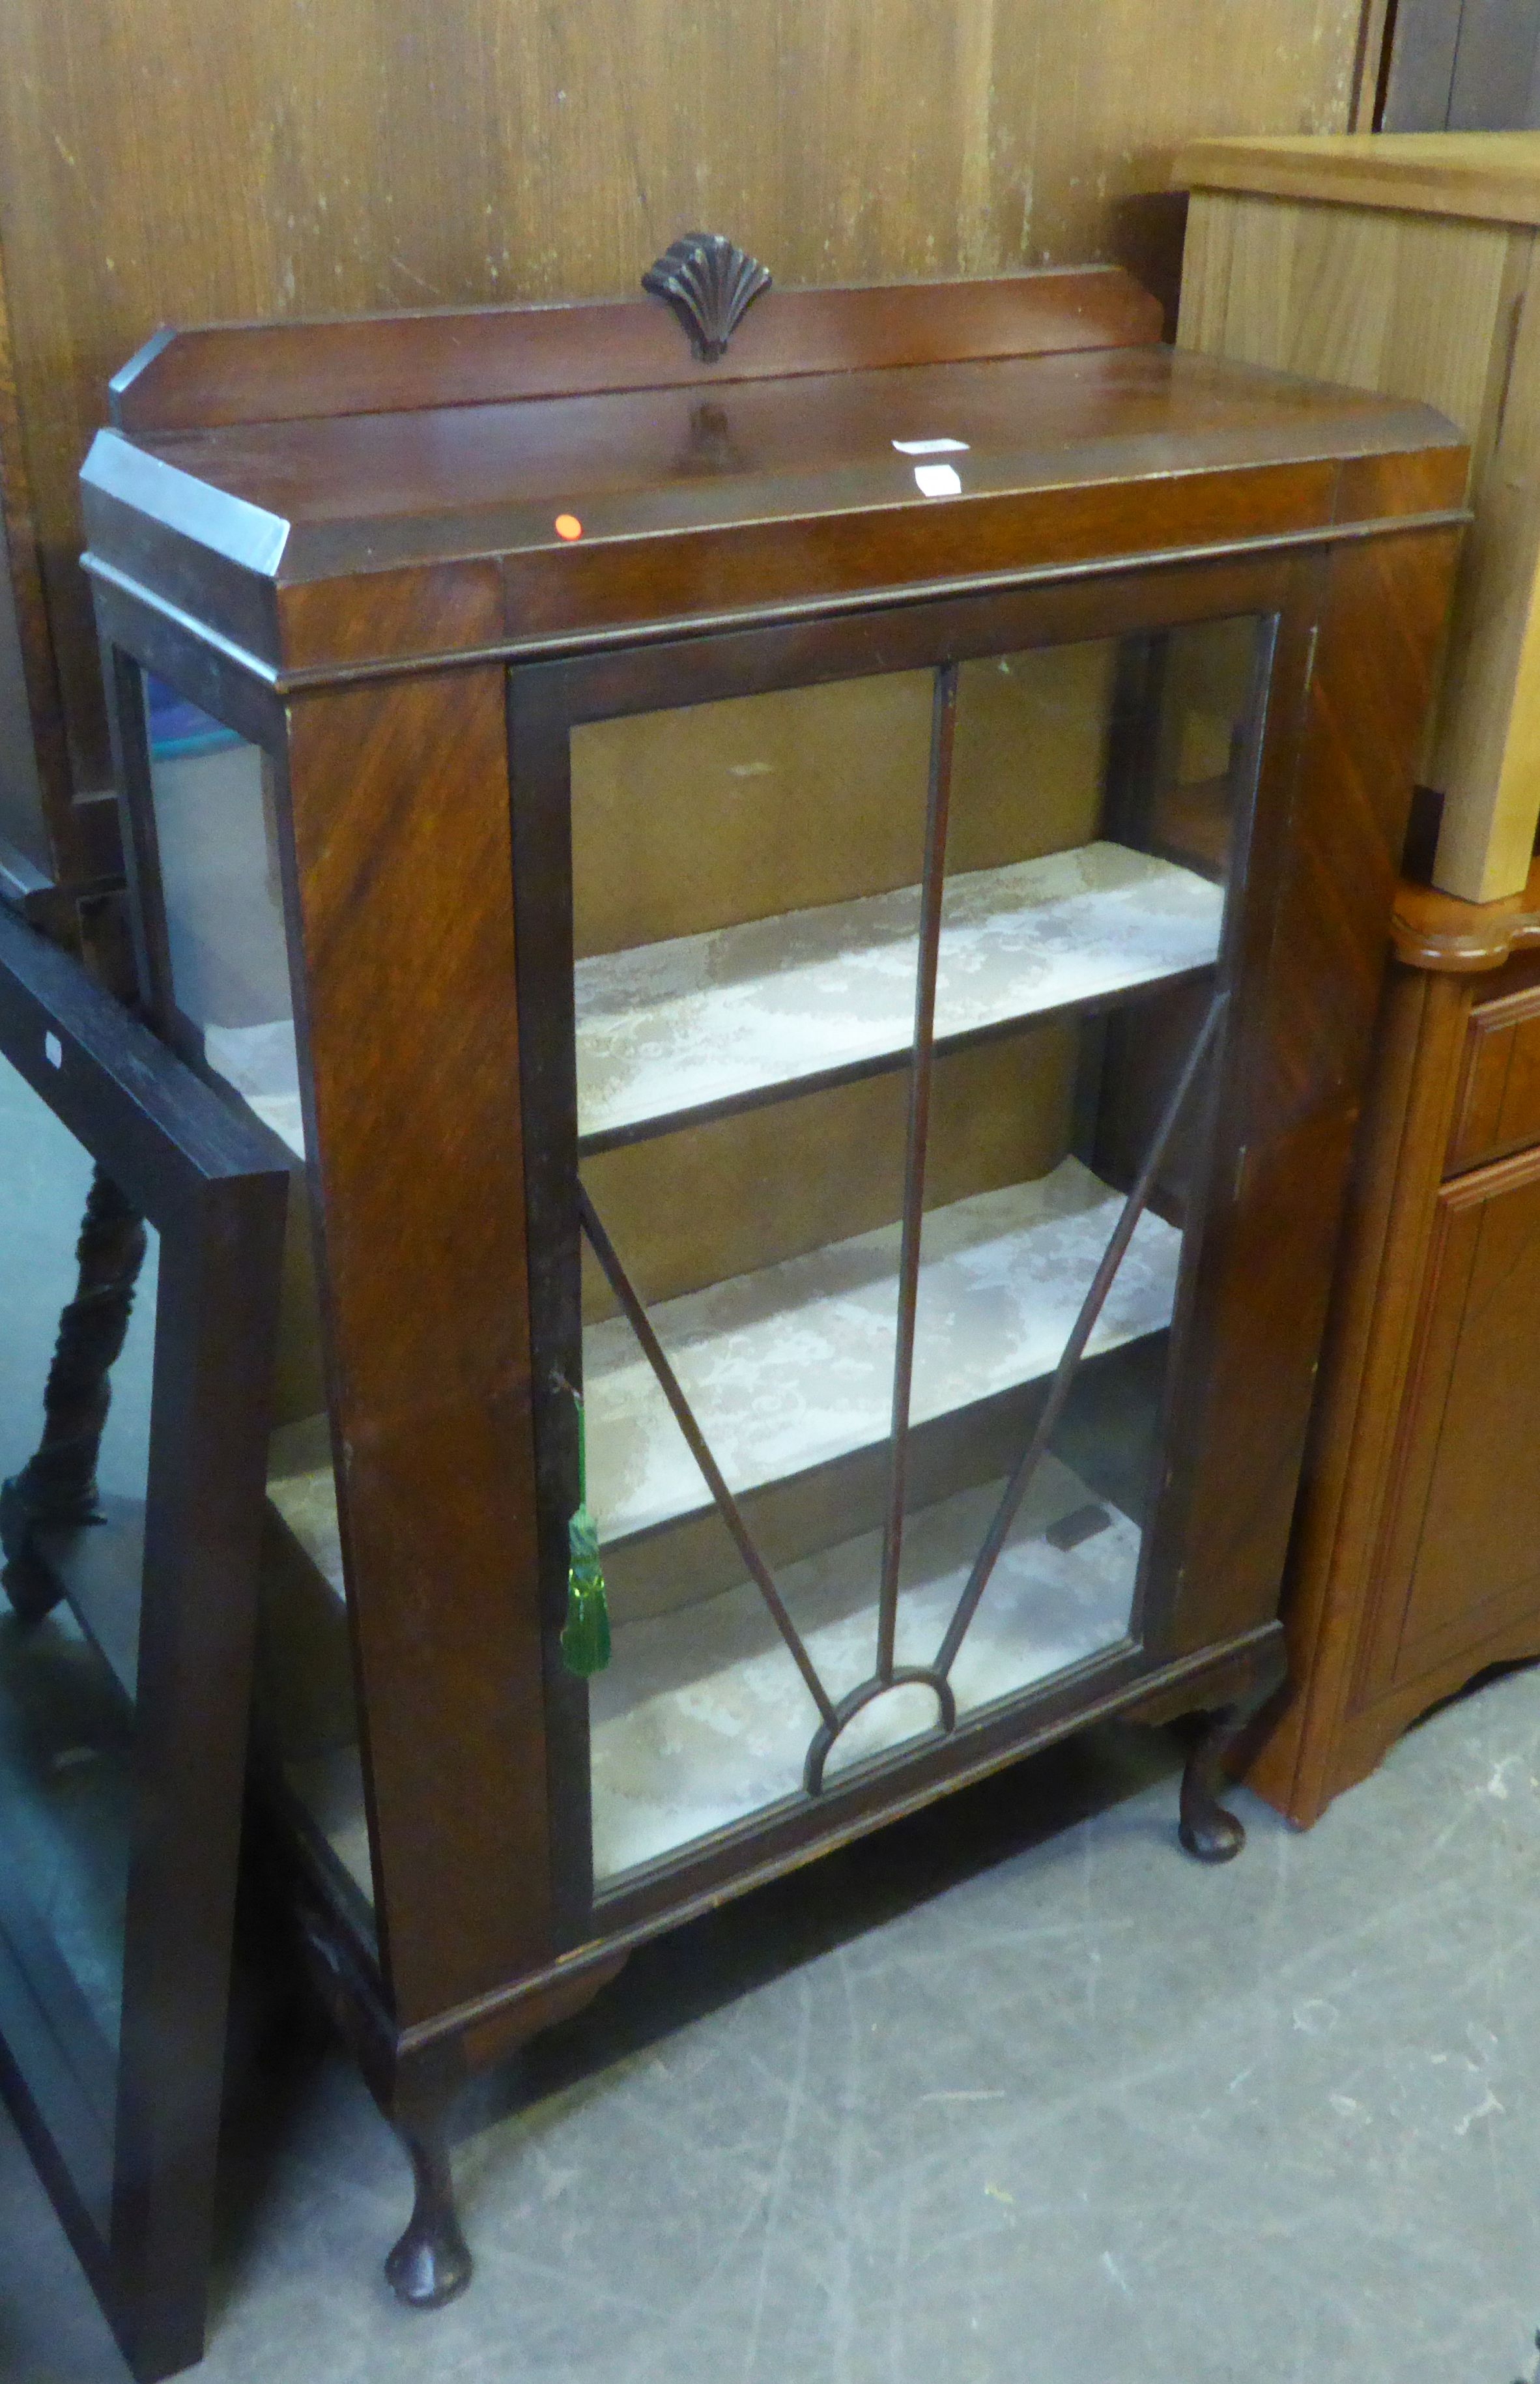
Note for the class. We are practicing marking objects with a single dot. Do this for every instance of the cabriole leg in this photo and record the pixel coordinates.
(1209, 1831)
(432, 2261)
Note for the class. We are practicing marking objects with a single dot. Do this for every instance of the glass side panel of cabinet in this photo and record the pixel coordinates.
(214, 798)
(68, 1675)
(894, 1003)
(216, 835)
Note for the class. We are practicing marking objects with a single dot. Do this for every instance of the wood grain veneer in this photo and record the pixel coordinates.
(1487, 177)
(401, 831)
(1408, 263)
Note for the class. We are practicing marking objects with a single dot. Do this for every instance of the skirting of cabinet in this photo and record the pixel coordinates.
(1368, 1736)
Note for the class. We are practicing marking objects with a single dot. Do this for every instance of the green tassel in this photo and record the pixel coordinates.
(586, 1639)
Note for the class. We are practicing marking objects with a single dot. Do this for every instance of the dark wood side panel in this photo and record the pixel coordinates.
(1383, 617)
(390, 363)
(401, 851)
(1427, 482)
(368, 616)
(1307, 1019)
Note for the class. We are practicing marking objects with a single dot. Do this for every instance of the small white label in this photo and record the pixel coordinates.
(931, 446)
(53, 1051)
(937, 480)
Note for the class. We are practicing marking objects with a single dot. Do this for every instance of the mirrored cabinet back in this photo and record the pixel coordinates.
(803, 878)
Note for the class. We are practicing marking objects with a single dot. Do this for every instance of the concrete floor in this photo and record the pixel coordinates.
(1011, 2094)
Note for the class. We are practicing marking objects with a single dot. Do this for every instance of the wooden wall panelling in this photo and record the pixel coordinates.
(158, 163)
(23, 836)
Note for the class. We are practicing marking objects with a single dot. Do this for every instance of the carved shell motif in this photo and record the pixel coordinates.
(711, 283)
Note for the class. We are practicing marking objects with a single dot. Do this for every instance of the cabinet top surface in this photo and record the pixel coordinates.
(705, 499)
(1494, 176)
(359, 491)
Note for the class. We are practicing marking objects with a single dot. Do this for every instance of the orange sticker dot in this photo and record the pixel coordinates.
(568, 526)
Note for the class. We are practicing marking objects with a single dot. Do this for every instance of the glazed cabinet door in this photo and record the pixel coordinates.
(870, 1124)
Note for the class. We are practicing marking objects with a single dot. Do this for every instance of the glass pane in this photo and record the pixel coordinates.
(217, 835)
(74, 1530)
(307, 1700)
(65, 1801)
(217, 840)
(803, 1139)
(1090, 831)
(747, 883)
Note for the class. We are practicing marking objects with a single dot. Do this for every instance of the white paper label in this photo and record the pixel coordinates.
(931, 446)
(937, 480)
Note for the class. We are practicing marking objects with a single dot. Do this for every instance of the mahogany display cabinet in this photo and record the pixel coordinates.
(804, 877)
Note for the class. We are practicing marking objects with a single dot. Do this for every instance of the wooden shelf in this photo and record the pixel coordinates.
(702, 1024)
(701, 1717)
(263, 1064)
(792, 1366)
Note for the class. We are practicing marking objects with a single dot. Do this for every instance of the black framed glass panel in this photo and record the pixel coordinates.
(141, 1224)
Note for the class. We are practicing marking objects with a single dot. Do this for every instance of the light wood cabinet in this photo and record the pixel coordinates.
(1417, 1558)
(1408, 263)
